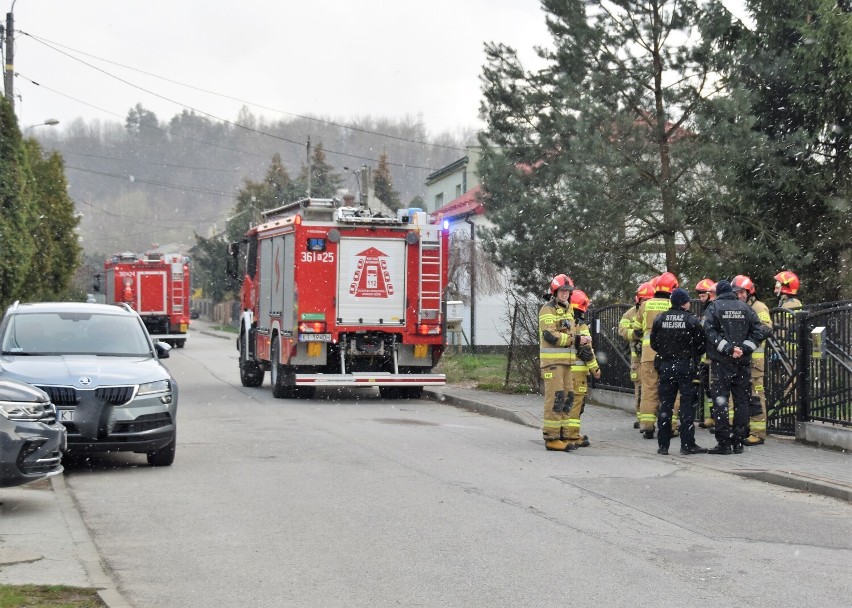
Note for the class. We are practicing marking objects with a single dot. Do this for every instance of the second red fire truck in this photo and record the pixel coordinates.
(157, 286)
(335, 295)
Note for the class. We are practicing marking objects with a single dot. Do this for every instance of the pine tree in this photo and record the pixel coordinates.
(383, 184)
(17, 210)
(58, 252)
(789, 164)
(591, 165)
(324, 182)
(274, 190)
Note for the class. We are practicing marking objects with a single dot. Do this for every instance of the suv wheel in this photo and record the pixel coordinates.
(165, 456)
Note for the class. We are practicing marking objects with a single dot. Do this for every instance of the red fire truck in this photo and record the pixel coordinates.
(335, 295)
(157, 286)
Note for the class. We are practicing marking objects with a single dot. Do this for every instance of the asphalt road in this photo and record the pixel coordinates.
(349, 500)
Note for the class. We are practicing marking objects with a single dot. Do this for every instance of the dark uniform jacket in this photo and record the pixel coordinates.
(728, 322)
(677, 335)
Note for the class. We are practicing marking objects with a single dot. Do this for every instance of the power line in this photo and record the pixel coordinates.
(223, 120)
(218, 218)
(243, 101)
(160, 129)
(134, 179)
(171, 166)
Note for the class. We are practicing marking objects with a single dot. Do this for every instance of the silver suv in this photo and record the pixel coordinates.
(31, 440)
(101, 370)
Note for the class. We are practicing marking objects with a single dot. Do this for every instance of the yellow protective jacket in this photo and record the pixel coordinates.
(789, 302)
(762, 312)
(648, 311)
(584, 360)
(556, 331)
(625, 330)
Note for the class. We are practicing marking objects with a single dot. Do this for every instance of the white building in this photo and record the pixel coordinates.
(453, 194)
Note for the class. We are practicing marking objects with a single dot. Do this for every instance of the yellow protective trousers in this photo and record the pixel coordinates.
(757, 422)
(558, 400)
(581, 389)
(649, 400)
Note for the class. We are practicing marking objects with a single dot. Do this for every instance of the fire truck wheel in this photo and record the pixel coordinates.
(413, 392)
(250, 372)
(282, 380)
(180, 343)
(390, 392)
(163, 457)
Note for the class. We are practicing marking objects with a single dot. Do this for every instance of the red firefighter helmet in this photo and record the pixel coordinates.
(742, 282)
(789, 282)
(579, 300)
(560, 281)
(705, 285)
(666, 282)
(645, 291)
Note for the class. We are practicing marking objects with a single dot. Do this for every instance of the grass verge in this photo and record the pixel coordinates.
(48, 596)
(483, 372)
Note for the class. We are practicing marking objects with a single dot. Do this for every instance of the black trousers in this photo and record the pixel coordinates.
(677, 376)
(731, 380)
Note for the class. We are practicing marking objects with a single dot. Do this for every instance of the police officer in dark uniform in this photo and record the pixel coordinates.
(679, 340)
(733, 333)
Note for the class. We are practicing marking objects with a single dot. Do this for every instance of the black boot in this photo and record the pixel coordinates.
(720, 448)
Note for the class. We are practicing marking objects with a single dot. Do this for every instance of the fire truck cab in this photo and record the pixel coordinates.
(335, 295)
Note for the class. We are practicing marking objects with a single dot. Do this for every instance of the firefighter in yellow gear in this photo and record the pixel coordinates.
(706, 290)
(584, 364)
(556, 331)
(634, 342)
(649, 402)
(743, 287)
(787, 288)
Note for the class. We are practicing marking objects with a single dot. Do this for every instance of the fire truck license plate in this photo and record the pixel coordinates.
(66, 415)
(314, 337)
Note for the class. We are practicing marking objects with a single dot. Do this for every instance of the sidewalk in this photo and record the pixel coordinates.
(781, 460)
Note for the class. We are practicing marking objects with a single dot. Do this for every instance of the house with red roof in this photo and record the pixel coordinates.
(454, 196)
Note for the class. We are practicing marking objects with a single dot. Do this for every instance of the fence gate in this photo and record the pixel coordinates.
(612, 351)
(809, 378)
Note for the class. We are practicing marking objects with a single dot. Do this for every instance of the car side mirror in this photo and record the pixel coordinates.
(162, 350)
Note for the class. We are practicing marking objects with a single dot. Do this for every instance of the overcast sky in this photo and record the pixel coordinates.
(331, 58)
(334, 59)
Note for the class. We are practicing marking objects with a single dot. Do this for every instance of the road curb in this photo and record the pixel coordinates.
(799, 482)
(85, 547)
(516, 416)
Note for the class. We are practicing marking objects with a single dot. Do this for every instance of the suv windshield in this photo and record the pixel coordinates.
(51, 333)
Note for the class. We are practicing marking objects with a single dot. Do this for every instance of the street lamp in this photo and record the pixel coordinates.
(50, 122)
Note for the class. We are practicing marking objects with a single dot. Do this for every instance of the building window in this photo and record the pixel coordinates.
(439, 201)
(458, 190)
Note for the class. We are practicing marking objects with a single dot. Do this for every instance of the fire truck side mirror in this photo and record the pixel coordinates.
(231, 268)
(96, 286)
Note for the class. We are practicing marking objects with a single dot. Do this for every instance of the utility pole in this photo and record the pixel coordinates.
(367, 174)
(310, 169)
(9, 74)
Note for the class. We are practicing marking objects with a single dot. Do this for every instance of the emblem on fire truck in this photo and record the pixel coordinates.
(371, 279)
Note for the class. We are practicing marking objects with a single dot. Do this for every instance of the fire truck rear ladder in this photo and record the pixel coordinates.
(431, 263)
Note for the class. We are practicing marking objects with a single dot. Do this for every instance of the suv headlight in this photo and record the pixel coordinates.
(152, 388)
(15, 410)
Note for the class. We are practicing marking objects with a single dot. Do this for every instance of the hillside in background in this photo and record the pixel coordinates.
(152, 181)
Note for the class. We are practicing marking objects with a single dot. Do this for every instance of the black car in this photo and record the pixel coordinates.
(31, 440)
